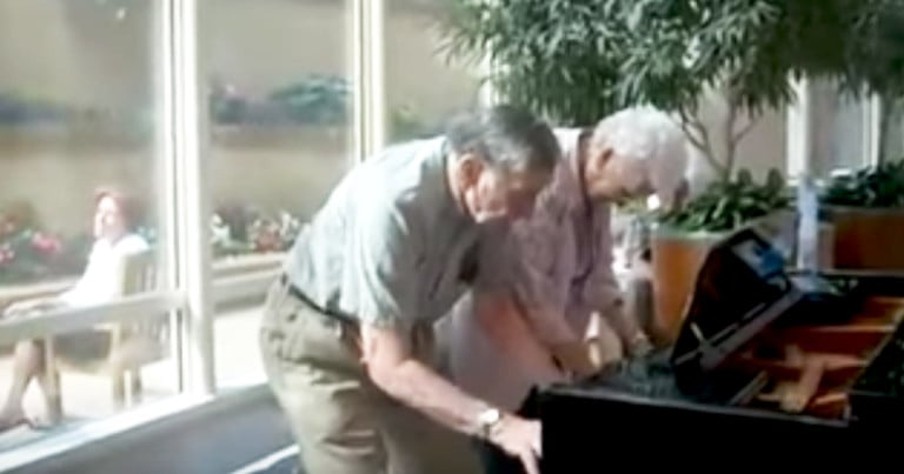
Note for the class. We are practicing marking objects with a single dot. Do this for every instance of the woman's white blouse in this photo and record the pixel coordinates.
(100, 283)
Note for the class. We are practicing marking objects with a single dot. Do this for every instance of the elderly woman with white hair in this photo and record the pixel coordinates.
(528, 321)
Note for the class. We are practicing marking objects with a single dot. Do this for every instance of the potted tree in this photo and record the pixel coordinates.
(866, 208)
(579, 61)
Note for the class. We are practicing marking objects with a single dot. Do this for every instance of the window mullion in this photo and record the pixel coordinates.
(190, 120)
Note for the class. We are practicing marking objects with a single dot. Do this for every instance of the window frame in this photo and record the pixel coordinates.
(800, 156)
(182, 155)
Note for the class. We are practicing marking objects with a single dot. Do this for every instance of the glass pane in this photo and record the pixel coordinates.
(761, 147)
(840, 136)
(848, 135)
(86, 381)
(282, 120)
(80, 184)
(764, 147)
(892, 130)
(423, 86)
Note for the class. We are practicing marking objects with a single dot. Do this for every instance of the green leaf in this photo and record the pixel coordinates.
(726, 205)
(880, 186)
(580, 60)
(774, 180)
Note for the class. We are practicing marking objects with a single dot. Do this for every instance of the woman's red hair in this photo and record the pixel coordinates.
(128, 208)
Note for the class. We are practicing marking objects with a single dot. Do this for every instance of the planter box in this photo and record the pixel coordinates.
(677, 258)
(867, 239)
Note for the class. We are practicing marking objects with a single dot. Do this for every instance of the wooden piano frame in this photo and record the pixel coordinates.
(810, 368)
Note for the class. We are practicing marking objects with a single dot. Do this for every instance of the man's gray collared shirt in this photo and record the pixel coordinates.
(388, 247)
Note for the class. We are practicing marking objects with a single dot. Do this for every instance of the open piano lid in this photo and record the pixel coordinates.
(742, 287)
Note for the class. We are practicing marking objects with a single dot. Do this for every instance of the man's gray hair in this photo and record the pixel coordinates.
(507, 138)
(647, 134)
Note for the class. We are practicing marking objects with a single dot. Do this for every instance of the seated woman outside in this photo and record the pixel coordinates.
(99, 284)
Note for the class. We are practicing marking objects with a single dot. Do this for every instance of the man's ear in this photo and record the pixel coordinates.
(599, 158)
(468, 169)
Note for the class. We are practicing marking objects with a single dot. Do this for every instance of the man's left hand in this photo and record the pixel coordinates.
(577, 357)
(640, 346)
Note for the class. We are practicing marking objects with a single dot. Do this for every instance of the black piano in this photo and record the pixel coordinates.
(770, 365)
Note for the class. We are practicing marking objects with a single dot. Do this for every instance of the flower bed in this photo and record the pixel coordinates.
(29, 254)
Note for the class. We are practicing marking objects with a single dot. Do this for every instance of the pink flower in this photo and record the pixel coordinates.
(45, 244)
(267, 241)
(6, 255)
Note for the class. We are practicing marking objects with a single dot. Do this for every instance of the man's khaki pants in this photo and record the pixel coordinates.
(343, 424)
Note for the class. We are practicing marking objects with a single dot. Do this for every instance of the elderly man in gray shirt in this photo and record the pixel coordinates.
(346, 336)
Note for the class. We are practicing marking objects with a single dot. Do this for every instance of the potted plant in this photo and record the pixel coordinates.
(579, 61)
(866, 208)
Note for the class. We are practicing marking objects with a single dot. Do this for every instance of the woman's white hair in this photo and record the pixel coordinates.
(647, 134)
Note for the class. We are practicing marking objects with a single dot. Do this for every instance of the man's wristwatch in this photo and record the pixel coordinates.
(487, 420)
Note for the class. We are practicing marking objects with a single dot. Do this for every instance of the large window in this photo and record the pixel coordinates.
(81, 233)
(281, 120)
(423, 86)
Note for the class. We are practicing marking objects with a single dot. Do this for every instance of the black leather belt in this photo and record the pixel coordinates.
(300, 296)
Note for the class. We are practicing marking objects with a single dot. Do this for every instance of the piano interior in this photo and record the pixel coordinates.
(810, 368)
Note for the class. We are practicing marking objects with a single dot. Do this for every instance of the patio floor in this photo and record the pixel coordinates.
(89, 396)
